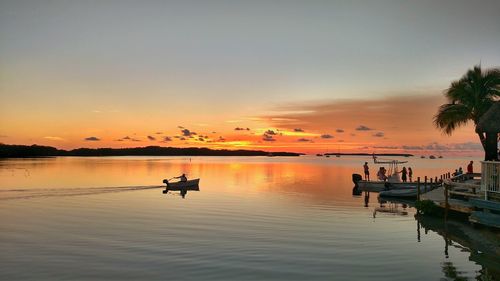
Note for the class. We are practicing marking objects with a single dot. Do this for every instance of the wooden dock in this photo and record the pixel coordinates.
(438, 197)
(462, 194)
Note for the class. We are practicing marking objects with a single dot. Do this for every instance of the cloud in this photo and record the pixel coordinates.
(187, 133)
(270, 132)
(267, 137)
(304, 140)
(412, 147)
(3, 136)
(339, 130)
(241, 129)
(386, 147)
(436, 146)
(127, 138)
(406, 117)
(151, 138)
(326, 136)
(201, 139)
(167, 139)
(92, 139)
(159, 133)
(54, 138)
(221, 139)
(362, 128)
(467, 146)
(378, 134)
(298, 130)
(182, 138)
(180, 127)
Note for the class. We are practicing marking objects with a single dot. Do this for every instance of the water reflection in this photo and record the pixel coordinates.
(264, 218)
(482, 244)
(182, 190)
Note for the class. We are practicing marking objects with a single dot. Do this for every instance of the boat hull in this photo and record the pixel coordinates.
(403, 193)
(378, 186)
(187, 185)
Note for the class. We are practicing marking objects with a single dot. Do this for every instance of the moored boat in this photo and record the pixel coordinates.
(401, 193)
(378, 186)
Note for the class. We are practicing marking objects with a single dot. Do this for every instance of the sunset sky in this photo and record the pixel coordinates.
(304, 76)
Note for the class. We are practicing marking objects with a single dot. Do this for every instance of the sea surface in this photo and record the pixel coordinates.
(254, 218)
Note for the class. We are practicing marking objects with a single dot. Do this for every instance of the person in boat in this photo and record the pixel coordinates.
(381, 174)
(182, 178)
(456, 173)
(410, 174)
(460, 171)
(367, 171)
(404, 173)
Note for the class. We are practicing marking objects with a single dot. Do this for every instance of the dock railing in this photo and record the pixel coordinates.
(490, 177)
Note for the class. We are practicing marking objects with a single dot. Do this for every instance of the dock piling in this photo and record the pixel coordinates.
(418, 189)
(425, 184)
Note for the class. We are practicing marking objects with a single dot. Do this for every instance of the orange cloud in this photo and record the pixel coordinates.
(398, 122)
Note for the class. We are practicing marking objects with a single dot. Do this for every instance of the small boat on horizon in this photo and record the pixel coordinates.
(432, 157)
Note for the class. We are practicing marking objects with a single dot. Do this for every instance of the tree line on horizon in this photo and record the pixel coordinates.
(18, 151)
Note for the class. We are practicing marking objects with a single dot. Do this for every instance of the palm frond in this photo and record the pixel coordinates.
(451, 116)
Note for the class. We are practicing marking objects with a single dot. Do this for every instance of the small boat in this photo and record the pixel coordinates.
(392, 182)
(378, 186)
(422, 156)
(440, 157)
(327, 156)
(403, 193)
(319, 155)
(187, 185)
(432, 157)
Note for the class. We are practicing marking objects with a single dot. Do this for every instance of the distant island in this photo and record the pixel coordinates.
(20, 151)
(371, 154)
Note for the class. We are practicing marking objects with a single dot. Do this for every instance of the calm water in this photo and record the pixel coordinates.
(253, 219)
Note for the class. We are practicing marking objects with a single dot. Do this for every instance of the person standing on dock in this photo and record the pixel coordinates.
(367, 171)
(470, 168)
(404, 172)
(410, 174)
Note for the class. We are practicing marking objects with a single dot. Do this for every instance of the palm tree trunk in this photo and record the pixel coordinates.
(482, 139)
(491, 147)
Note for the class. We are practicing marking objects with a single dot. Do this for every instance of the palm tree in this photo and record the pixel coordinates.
(468, 99)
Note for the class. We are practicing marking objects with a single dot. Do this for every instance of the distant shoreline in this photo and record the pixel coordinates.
(371, 154)
(26, 151)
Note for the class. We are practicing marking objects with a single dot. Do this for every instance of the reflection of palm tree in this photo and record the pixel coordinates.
(469, 98)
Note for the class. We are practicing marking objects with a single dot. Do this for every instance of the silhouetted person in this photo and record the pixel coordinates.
(470, 168)
(182, 178)
(410, 174)
(403, 174)
(381, 174)
(183, 193)
(367, 171)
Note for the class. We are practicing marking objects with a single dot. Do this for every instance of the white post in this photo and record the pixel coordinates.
(490, 177)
